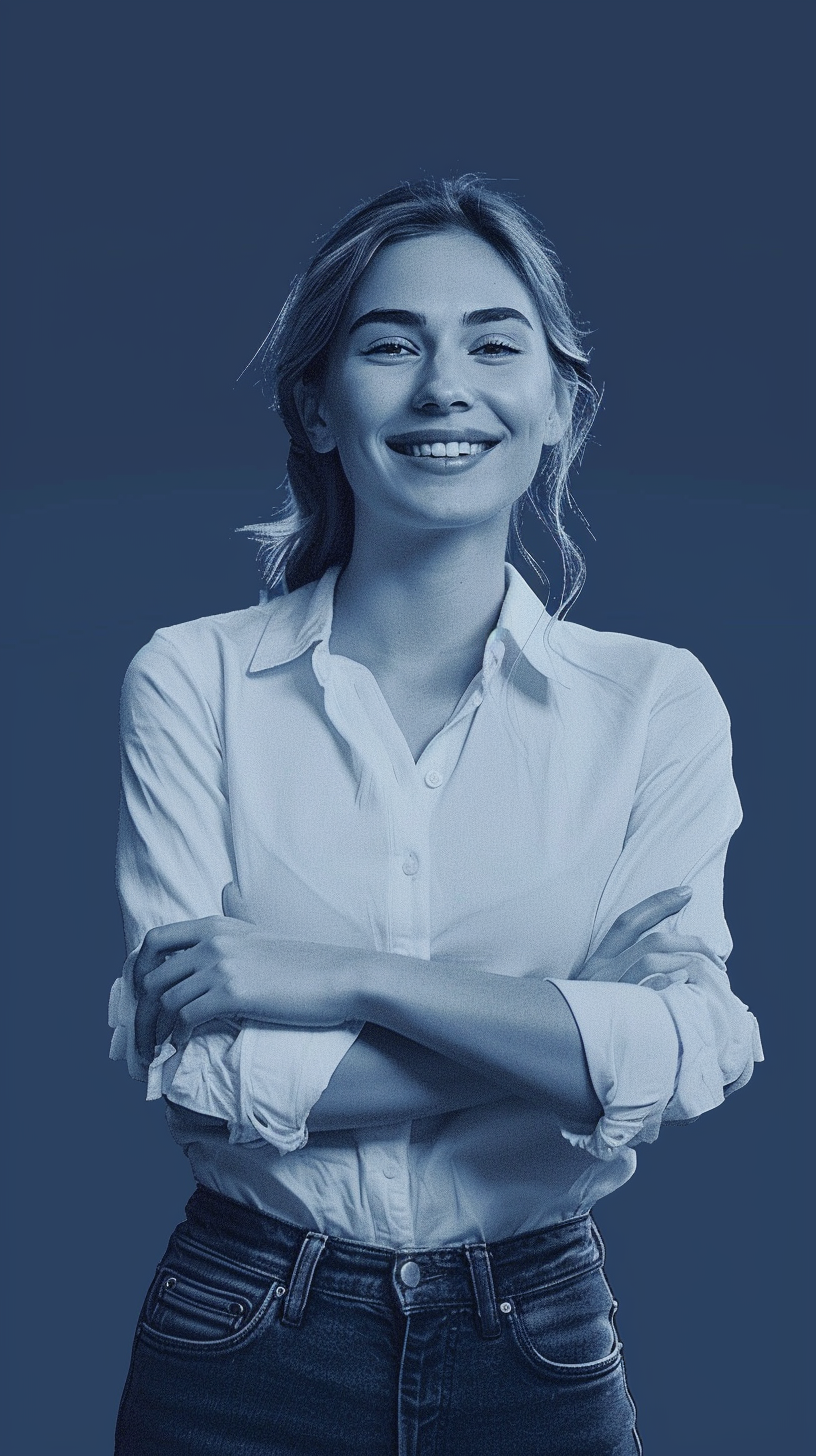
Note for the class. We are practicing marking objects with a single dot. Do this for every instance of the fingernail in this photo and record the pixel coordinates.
(684, 890)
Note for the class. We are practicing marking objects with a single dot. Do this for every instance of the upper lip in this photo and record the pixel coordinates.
(433, 434)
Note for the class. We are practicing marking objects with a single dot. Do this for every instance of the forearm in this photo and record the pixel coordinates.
(517, 1031)
(385, 1078)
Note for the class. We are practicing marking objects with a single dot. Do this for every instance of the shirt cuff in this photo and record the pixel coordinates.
(719, 1041)
(284, 1070)
(122, 1021)
(262, 1080)
(632, 1052)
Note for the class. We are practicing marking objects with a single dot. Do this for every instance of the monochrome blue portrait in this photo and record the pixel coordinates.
(407, 545)
(422, 891)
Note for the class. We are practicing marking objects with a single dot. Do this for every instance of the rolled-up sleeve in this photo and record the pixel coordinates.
(174, 862)
(674, 1045)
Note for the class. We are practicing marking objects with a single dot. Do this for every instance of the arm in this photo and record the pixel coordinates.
(517, 1031)
(661, 1033)
(679, 1038)
(385, 1078)
(685, 810)
(385, 1073)
(174, 862)
(195, 973)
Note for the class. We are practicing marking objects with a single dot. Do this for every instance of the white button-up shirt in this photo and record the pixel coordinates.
(264, 777)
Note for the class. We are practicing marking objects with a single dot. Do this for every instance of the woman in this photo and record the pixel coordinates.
(422, 888)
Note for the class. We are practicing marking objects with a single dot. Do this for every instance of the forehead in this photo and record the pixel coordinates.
(443, 274)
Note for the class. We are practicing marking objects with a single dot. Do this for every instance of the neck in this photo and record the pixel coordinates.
(430, 595)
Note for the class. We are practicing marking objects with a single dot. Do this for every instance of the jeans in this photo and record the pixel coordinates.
(260, 1339)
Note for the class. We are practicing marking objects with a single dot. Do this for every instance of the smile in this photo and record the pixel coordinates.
(443, 449)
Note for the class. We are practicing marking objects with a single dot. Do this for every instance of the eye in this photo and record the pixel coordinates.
(391, 348)
(495, 348)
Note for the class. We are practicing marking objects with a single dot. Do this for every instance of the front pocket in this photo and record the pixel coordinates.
(570, 1329)
(198, 1298)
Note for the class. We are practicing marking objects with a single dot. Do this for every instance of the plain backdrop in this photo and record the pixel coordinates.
(168, 170)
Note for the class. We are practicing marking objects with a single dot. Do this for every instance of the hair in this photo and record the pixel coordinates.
(315, 528)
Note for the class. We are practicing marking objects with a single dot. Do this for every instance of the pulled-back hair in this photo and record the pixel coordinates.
(315, 528)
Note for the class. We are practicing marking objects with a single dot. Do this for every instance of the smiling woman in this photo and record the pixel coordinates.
(422, 889)
(317, 529)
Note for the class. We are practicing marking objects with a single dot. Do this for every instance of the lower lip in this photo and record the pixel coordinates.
(444, 464)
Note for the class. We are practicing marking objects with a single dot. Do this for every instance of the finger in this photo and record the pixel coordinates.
(174, 999)
(176, 969)
(193, 1015)
(632, 923)
(694, 967)
(646, 966)
(666, 942)
(675, 966)
(164, 940)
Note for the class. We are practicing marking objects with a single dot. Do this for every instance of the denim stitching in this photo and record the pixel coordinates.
(302, 1276)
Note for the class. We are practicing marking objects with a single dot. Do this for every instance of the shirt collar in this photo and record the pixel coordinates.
(297, 621)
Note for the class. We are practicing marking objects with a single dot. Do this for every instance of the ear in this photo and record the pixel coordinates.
(310, 408)
(559, 412)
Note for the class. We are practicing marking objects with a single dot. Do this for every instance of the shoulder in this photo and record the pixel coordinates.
(184, 668)
(649, 673)
(203, 646)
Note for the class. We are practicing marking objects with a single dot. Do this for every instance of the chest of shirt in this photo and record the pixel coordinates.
(492, 850)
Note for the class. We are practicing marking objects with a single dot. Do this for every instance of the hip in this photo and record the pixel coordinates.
(260, 1337)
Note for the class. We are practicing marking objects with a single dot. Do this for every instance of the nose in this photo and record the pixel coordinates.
(441, 388)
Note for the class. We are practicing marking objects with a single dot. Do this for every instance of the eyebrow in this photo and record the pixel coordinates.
(418, 320)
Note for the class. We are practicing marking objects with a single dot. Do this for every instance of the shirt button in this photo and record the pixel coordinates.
(390, 1171)
(410, 1274)
(410, 864)
(433, 778)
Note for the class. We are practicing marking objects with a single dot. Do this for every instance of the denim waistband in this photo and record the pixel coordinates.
(470, 1274)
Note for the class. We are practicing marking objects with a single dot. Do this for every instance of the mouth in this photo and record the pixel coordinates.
(442, 445)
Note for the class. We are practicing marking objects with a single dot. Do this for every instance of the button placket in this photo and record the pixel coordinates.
(409, 926)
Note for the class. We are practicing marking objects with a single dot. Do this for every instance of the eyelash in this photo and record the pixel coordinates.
(386, 346)
(499, 344)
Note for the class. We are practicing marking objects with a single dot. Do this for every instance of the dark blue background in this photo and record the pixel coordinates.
(170, 168)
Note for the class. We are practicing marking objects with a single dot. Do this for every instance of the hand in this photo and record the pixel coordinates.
(220, 968)
(661, 958)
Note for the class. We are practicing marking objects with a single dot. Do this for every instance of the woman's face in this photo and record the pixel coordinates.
(439, 394)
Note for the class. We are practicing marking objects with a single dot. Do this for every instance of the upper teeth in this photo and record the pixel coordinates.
(453, 447)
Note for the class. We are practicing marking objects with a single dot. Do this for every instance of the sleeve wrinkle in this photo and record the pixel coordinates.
(673, 1064)
(175, 857)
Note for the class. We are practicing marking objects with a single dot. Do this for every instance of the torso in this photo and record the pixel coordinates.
(418, 711)
(420, 700)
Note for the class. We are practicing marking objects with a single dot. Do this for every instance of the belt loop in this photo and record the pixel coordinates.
(482, 1276)
(302, 1276)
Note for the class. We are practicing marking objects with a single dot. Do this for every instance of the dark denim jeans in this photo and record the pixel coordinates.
(260, 1339)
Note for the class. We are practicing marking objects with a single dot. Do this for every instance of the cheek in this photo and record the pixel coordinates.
(525, 408)
(359, 405)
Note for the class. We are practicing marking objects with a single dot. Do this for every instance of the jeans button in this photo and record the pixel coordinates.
(410, 1274)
